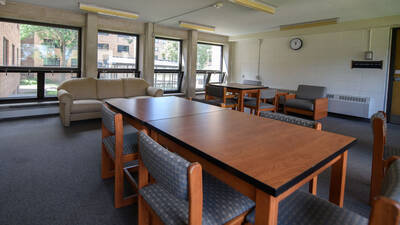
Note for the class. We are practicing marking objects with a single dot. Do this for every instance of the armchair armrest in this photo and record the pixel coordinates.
(155, 92)
(290, 96)
(321, 105)
(64, 96)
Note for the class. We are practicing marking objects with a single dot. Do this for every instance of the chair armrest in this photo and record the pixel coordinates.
(321, 105)
(290, 96)
(64, 96)
(384, 211)
(155, 92)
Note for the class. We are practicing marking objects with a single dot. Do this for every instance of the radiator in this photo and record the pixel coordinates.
(351, 105)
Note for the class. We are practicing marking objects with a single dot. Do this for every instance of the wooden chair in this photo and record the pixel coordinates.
(217, 95)
(260, 102)
(301, 122)
(381, 152)
(117, 149)
(304, 208)
(181, 193)
(308, 100)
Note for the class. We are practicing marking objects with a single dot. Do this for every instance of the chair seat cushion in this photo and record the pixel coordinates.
(84, 106)
(391, 151)
(391, 182)
(253, 104)
(130, 143)
(304, 208)
(300, 104)
(221, 203)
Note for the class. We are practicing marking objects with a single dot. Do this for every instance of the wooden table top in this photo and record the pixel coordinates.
(269, 154)
(239, 86)
(148, 109)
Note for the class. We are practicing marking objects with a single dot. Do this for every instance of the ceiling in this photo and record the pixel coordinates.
(233, 19)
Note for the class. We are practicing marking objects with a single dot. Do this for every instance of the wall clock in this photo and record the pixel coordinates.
(296, 43)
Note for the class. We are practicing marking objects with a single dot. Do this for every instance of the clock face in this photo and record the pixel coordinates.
(296, 43)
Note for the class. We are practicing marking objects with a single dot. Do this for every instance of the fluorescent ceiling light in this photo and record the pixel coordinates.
(257, 5)
(106, 11)
(2, 2)
(315, 23)
(195, 26)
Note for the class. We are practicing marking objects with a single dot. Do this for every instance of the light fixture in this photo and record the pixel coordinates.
(309, 24)
(2, 2)
(257, 5)
(196, 26)
(107, 11)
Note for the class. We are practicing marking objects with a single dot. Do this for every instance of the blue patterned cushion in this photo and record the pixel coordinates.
(107, 116)
(262, 104)
(391, 182)
(130, 143)
(220, 203)
(391, 151)
(167, 168)
(304, 208)
(289, 119)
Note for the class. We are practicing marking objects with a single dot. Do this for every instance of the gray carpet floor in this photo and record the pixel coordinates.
(51, 175)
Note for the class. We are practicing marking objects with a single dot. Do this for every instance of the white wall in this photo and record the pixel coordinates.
(324, 60)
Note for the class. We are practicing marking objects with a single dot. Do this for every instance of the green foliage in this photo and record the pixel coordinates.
(64, 39)
(203, 55)
(172, 49)
(28, 82)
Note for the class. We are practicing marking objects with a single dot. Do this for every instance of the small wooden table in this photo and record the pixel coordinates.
(242, 90)
(264, 159)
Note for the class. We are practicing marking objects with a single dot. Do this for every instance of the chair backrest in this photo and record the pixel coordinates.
(215, 91)
(168, 169)
(310, 92)
(268, 93)
(292, 120)
(252, 82)
(379, 124)
(108, 118)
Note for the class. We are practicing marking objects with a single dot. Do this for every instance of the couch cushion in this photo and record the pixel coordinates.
(310, 92)
(81, 88)
(300, 104)
(110, 89)
(134, 87)
(84, 106)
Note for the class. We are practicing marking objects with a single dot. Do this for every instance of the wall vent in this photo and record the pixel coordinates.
(351, 105)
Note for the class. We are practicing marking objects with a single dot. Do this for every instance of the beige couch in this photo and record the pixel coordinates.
(81, 99)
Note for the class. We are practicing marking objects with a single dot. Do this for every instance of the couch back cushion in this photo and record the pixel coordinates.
(110, 89)
(309, 92)
(80, 88)
(134, 87)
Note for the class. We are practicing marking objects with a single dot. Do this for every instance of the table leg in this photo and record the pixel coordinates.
(338, 180)
(241, 103)
(266, 209)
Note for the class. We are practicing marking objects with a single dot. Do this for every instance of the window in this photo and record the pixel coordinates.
(103, 46)
(13, 55)
(123, 48)
(36, 56)
(5, 51)
(168, 64)
(117, 55)
(209, 64)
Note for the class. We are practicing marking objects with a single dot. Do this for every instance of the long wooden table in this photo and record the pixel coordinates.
(264, 159)
(241, 90)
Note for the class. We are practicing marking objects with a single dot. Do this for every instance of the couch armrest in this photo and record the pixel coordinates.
(321, 105)
(155, 92)
(290, 96)
(66, 100)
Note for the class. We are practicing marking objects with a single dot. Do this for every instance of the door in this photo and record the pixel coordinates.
(394, 83)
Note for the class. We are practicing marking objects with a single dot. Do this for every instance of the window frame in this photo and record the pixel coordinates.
(135, 71)
(41, 71)
(179, 71)
(210, 72)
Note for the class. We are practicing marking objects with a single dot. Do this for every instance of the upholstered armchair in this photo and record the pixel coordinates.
(308, 100)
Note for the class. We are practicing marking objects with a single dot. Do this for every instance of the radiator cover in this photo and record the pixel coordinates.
(351, 105)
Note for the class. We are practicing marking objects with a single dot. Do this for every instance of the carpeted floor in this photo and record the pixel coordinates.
(51, 175)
